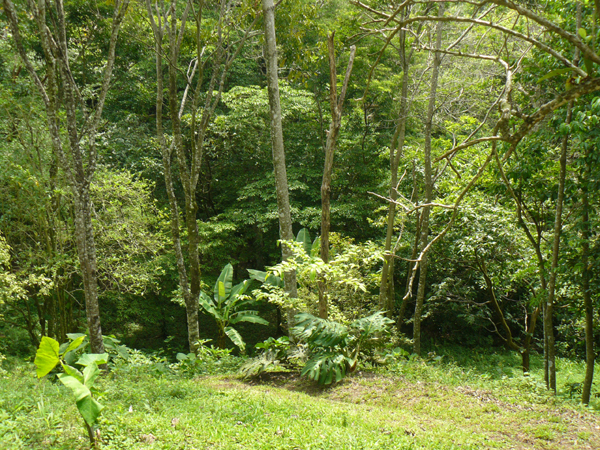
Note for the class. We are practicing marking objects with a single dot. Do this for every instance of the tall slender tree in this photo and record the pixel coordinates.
(168, 24)
(281, 184)
(67, 110)
(428, 180)
(336, 104)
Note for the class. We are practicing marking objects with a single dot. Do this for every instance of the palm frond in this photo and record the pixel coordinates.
(319, 332)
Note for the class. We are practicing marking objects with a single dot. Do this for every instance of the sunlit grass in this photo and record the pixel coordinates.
(448, 403)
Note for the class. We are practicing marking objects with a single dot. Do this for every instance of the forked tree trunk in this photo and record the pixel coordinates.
(386, 286)
(336, 105)
(166, 23)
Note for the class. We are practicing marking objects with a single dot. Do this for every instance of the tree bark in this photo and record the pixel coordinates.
(428, 180)
(279, 168)
(189, 160)
(386, 299)
(590, 355)
(548, 316)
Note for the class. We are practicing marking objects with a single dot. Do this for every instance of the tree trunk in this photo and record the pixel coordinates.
(590, 356)
(189, 160)
(78, 165)
(334, 129)
(281, 185)
(428, 179)
(386, 299)
(548, 325)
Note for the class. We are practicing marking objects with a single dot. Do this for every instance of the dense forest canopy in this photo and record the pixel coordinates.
(445, 152)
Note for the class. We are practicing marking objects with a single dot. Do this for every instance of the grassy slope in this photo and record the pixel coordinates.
(432, 406)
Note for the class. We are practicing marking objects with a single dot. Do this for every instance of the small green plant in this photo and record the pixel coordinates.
(334, 349)
(274, 354)
(229, 307)
(207, 360)
(81, 383)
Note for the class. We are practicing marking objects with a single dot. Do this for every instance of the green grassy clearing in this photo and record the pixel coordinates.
(446, 404)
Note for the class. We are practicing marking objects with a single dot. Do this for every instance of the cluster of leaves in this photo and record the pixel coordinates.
(207, 360)
(331, 350)
(274, 353)
(349, 276)
(229, 306)
(334, 349)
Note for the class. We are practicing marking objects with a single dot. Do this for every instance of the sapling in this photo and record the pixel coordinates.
(50, 354)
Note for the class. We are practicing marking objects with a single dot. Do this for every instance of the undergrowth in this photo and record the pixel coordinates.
(448, 400)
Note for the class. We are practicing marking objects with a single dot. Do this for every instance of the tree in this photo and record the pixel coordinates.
(336, 104)
(66, 103)
(281, 186)
(168, 22)
(230, 306)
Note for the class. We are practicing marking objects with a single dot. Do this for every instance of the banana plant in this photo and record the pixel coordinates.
(81, 383)
(229, 306)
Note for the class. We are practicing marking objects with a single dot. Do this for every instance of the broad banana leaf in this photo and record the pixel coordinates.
(247, 316)
(226, 278)
(304, 238)
(235, 337)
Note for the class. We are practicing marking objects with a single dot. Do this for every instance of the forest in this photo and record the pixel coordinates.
(320, 191)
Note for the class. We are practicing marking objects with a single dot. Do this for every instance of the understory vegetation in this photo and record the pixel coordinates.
(299, 224)
(451, 399)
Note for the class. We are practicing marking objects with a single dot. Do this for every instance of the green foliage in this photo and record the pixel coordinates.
(350, 276)
(335, 349)
(274, 354)
(208, 360)
(228, 307)
(81, 383)
(476, 398)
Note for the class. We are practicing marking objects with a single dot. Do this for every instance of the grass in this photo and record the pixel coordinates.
(457, 401)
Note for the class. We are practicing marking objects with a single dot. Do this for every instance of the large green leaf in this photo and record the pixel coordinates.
(89, 409)
(90, 373)
(74, 344)
(258, 275)
(240, 288)
(78, 388)
(315, 249)
(247, 316)
(223, 284)
(370, 325)
(73, 372)
(304, 238)
(326, 368)
(235, 337)
(46, 357)
(266, 277)
(209, 306)
(93, 358)
(74, 336)
(319, 332)
(555, 72)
